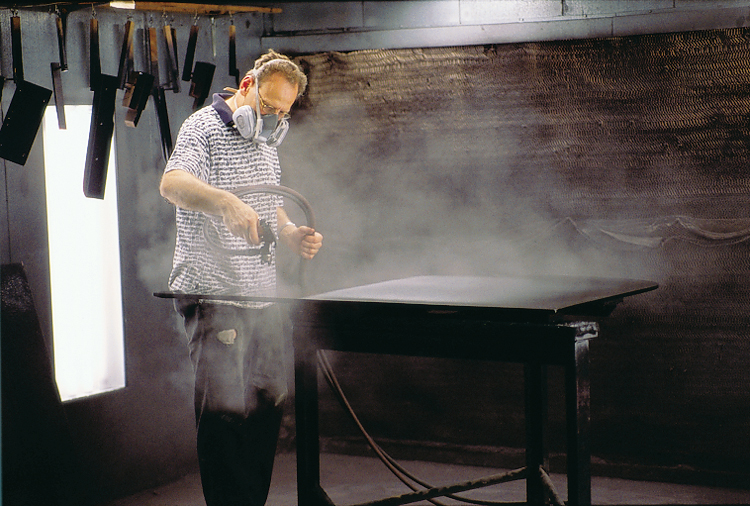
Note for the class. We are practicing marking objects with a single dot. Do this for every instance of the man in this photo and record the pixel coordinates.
(237, 348)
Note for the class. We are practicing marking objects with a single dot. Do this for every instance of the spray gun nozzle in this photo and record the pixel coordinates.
(267, 241)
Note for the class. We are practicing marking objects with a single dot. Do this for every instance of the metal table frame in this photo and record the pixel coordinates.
(535, 337)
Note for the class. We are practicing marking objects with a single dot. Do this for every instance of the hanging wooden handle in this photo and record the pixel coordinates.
(139, 87)
(233, 70)
(201, 83)
(95, 66)
(15, 28)
(126, 55)
(173, 72)
(153, 52)
(100, 137)
(187, 69)
(163, 118)
(57, 87)
(61, 22)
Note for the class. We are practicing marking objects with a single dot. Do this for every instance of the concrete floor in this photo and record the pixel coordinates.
(352, 480)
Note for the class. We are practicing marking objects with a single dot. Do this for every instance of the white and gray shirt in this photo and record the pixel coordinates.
(210, 148)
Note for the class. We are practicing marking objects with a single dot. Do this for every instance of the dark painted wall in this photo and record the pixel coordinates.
(423, 188)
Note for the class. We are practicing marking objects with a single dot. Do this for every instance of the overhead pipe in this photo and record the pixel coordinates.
(202, 9)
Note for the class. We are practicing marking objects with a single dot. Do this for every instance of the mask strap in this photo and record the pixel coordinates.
(259, 117)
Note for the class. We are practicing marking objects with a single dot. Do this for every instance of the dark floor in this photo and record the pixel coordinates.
(352, 480)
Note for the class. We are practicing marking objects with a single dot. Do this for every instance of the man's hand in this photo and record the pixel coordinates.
(241, 220)
(305, 241)
(188, 192)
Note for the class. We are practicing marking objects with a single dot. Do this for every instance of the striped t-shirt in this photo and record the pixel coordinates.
(213, 151)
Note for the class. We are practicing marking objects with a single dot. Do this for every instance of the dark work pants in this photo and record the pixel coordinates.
(240, 386)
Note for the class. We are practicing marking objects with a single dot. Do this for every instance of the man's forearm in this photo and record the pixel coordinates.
(188, 192)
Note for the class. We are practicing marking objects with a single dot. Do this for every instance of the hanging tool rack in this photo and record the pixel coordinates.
(21, 123)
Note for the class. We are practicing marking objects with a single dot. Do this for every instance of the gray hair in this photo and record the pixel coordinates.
(273, 63)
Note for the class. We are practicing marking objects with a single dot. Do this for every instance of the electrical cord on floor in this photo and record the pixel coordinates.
(402, 474)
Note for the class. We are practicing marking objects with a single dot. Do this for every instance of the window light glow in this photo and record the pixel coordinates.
(84, 258)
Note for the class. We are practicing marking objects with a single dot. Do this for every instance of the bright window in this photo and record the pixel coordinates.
(84, 258)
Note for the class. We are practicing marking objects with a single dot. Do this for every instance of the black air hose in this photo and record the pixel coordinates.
(264, 249)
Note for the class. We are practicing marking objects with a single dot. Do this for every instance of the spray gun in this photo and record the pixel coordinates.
(267, 236)
(265, 250)
(267, 242)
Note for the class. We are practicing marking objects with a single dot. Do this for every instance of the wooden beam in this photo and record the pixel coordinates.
(200, 9)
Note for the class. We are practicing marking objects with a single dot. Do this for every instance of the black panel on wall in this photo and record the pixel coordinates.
(22, 121)
(39, 465)
(100, 137)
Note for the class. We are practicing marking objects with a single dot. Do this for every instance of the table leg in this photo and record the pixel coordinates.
(306, 413)
(578, 412)
(535, 387)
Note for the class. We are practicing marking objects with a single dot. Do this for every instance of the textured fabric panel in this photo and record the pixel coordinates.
(628, 143)
(622, 157)
(636, 127)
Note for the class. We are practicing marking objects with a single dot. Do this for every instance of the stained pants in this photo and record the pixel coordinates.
(240, 386)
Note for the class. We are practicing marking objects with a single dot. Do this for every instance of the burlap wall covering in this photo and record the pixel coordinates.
(617, 157)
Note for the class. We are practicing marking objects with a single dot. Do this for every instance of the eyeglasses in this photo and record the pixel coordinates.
(267, 109)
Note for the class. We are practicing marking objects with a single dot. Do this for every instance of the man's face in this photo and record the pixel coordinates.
(276, 95)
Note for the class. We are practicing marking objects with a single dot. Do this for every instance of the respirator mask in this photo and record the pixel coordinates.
(259, 128)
